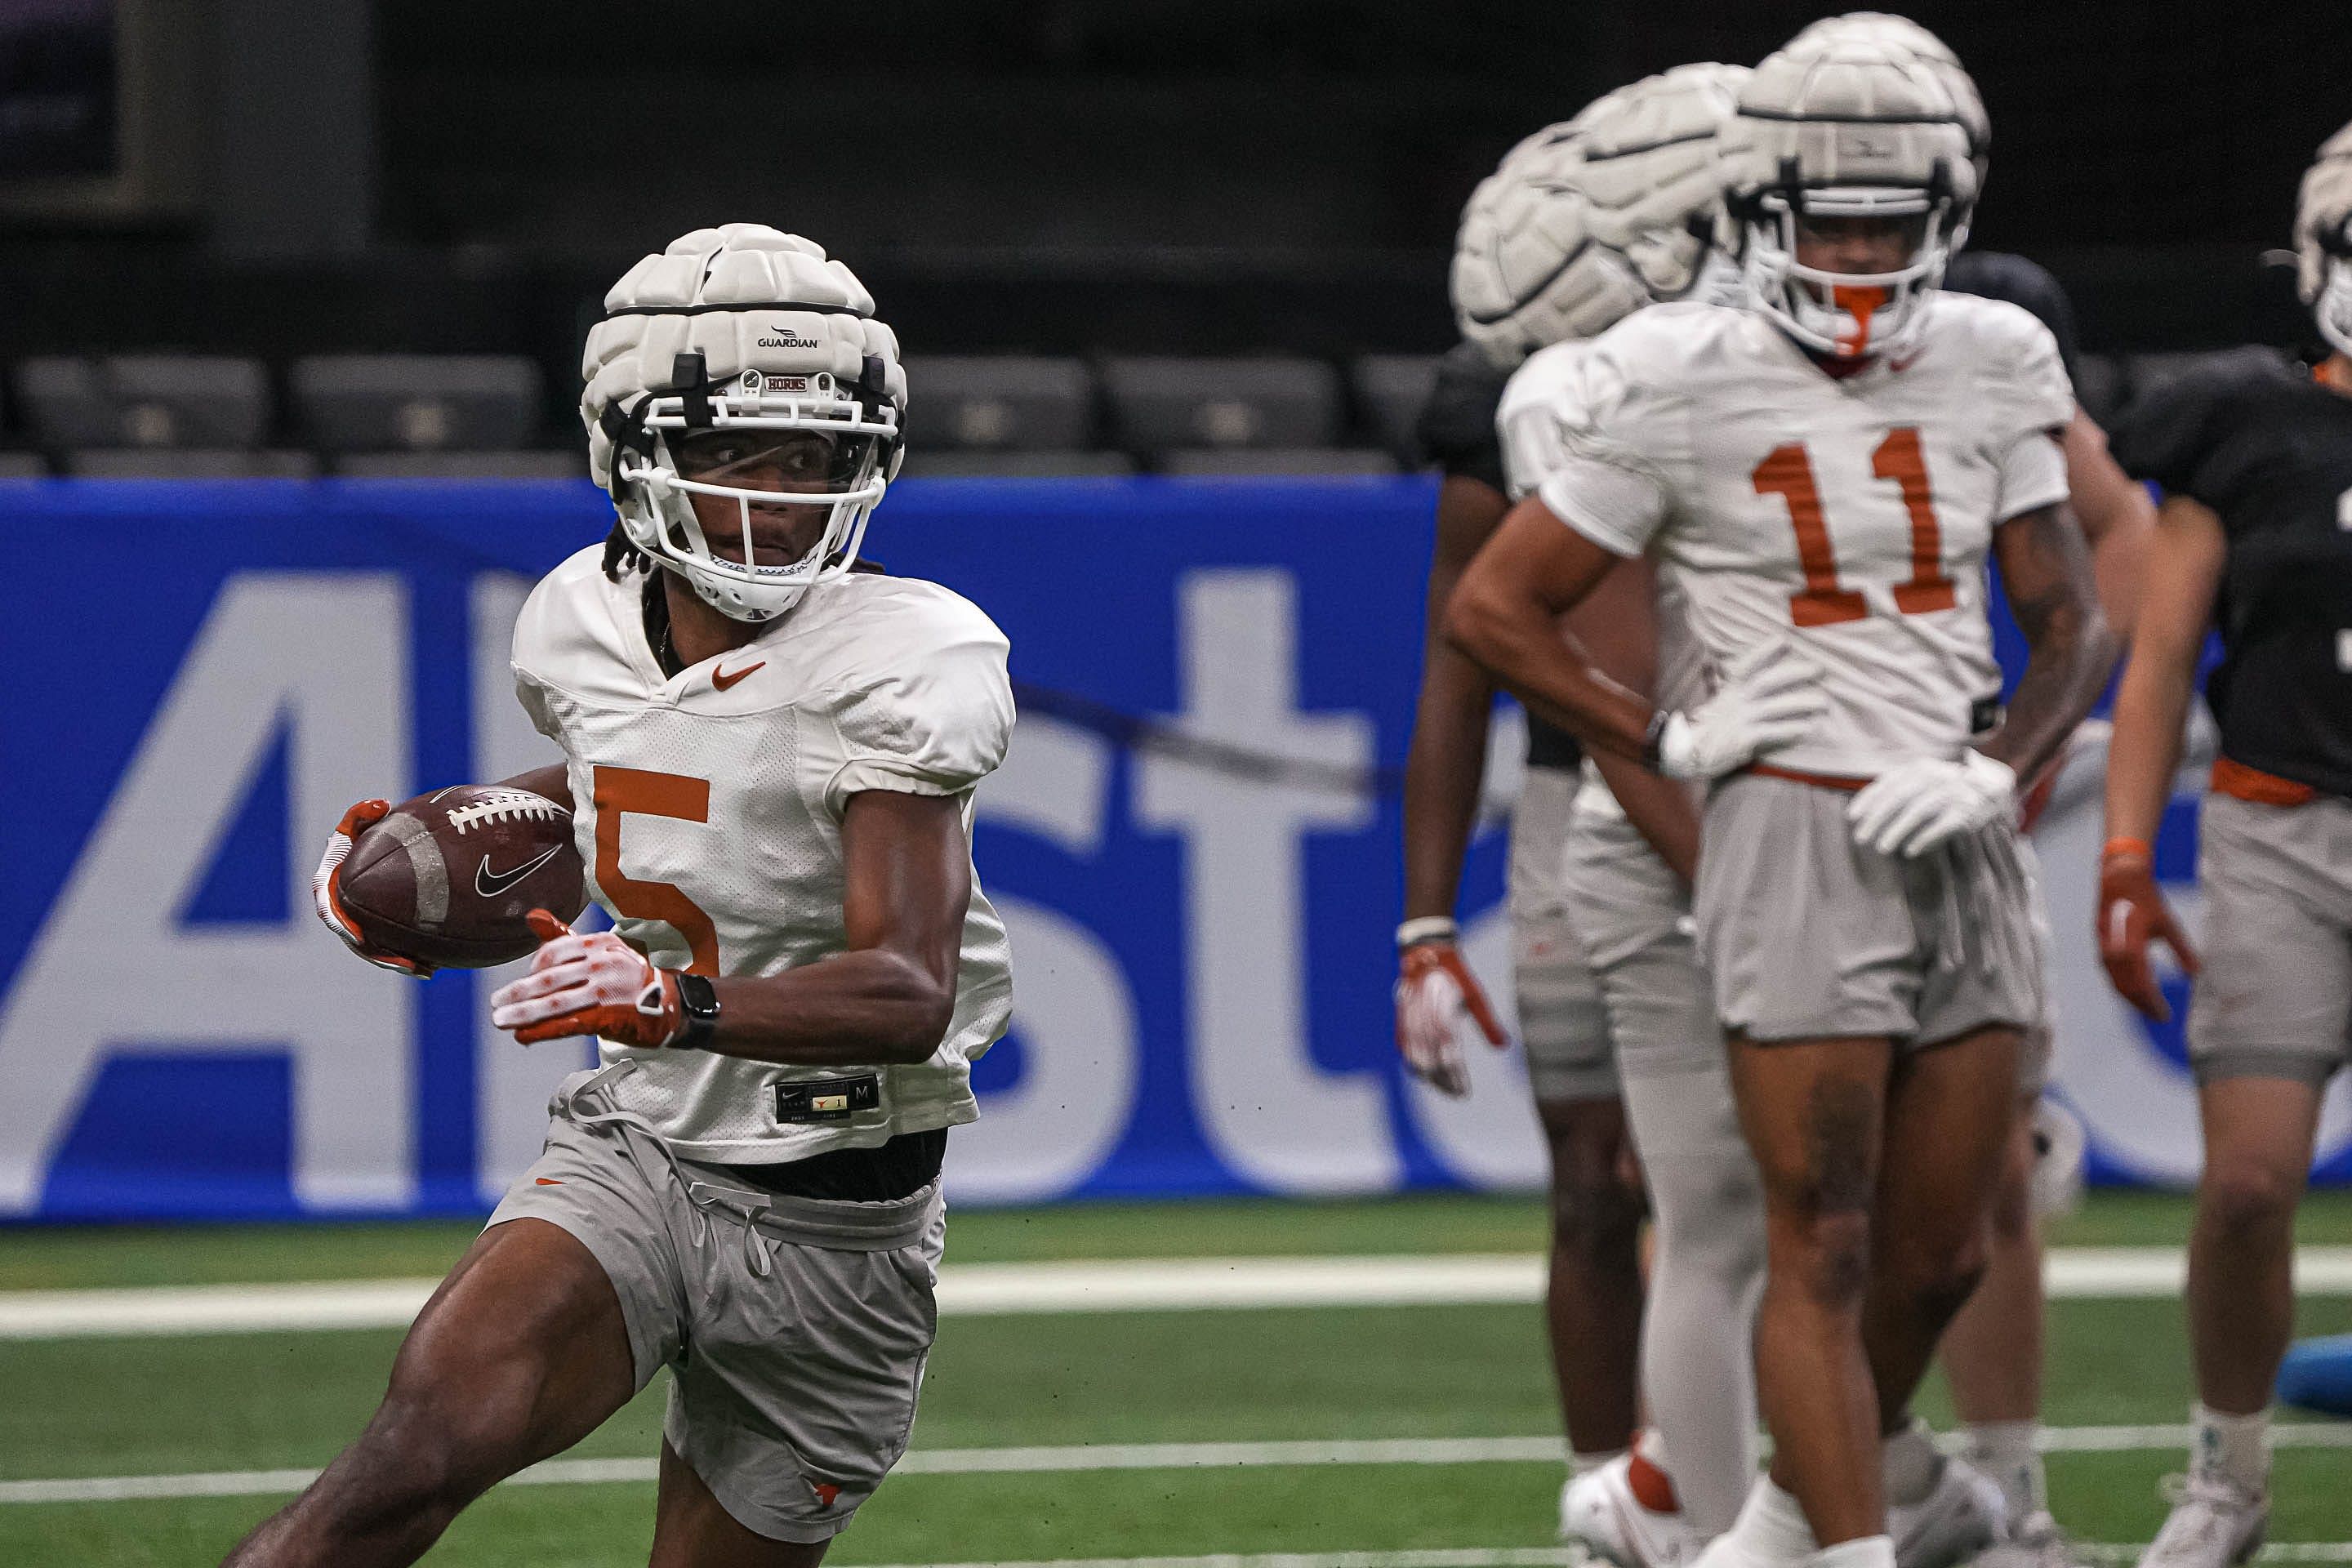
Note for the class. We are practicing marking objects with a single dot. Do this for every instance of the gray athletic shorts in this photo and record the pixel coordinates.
(1811, 936)
(795, 1329)
(2273, 998)
(2041, 1034)
(1634, 915)
(1562, 1019)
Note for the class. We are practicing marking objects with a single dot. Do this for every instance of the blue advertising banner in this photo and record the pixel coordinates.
(1194, 844)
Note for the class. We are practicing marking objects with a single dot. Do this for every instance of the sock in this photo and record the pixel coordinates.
(1585, 1464)
(1909, 1464)
(2005, 1451)
(1868, 1552)
(2235, 1447)
(1772, 1527)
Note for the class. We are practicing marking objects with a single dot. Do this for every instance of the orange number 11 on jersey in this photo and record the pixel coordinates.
(1787, 472)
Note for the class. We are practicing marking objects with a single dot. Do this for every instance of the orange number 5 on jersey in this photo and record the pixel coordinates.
(1787, 472)
(620, 791)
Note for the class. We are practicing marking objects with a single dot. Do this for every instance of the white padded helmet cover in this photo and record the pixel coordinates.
(714, 277)
(1526, 274)
(1851, 112)
(1648, 171)
(1886, 29)
(2322, 210)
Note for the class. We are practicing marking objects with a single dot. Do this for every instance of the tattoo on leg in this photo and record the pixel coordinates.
(1838, 1125)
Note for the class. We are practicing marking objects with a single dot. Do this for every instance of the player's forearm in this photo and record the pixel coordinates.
(1444, 770)
(1514, 634)
(862, 1007)
(2143, 753)
(2117, 518)
(553, 781)
(2046, 571)
(1660, 809)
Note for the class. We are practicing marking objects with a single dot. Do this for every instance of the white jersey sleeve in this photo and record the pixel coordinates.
(2027, 403)
(1540, 394)
(934, 724)
(1624, 443)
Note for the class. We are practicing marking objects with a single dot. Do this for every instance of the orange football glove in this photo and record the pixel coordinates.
(1436, 996)
(2132, 913)
(591, 983)
(326, 889)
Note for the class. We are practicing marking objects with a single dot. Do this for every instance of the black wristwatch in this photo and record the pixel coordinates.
(699, 1003)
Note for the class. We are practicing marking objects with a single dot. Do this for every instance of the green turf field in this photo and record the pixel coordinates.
(235, 1403)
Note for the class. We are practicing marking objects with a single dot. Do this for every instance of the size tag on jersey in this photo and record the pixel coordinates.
(828, 1099)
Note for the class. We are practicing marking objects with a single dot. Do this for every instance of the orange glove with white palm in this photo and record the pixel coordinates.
(589, 983)
(1438, 1003)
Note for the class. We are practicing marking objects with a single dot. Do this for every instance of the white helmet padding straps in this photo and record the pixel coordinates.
(751, 328)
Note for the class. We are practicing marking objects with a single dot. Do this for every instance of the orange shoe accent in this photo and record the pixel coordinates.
(1651, 1486)
(551, 1181)
(2240, 781)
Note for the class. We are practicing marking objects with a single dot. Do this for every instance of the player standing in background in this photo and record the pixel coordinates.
(770, 761)
(2254, 540)
(1821, 476)
(1992, 1354)
(1522, 276)
(1645, 183)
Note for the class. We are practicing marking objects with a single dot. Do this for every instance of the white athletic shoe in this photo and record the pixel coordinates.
(2214, 1522)
(2035, 1543)
(1960, 1516)
(1599, 1511)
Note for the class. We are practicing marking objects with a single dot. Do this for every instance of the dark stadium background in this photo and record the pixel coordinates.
(1061, 175)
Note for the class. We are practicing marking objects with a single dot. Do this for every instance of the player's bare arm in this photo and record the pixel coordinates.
(2045, 570)
(554, 780)
(2184, 573)
(2117, 518)
(1446, 764)
(1504, 611)
(1617, 623)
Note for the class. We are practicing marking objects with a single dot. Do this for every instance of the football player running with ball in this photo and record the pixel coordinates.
(770, 757)
(1820, 477)
(2254, 539)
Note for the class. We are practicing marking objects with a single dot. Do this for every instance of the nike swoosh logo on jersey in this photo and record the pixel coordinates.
(490, 884)
(720, 679)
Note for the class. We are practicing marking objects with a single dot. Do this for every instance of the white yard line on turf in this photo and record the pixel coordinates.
(1094, 1457)
(982, 1289)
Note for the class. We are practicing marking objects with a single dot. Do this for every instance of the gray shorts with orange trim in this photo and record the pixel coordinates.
(1809, 935)
(795, 1329)
(2273, 996)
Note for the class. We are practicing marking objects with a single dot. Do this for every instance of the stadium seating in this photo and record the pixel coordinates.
(1002, 403)
(416, 403)
(188, 463)
(927, 463)
(1275, 462)
(1162, 404)
(144, 401)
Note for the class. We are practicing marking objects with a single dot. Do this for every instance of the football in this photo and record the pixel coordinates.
(448, 877)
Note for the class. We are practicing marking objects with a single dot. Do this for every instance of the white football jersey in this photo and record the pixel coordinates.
(707, 807)
(1848, 517)
(1539, 403)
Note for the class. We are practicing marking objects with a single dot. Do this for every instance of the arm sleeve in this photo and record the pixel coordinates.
(2031, 402)
(1456, 426)
(1609, 481)
(2029, 285)
(935, 724)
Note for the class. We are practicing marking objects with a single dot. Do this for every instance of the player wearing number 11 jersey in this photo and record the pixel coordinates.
(1820, 478)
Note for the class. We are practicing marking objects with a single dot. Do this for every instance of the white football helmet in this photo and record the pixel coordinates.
(2323, 240)
(1648, 175)
(1902, 33)
(1853, 129)
(741, 327)
(1525, 274)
